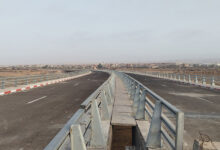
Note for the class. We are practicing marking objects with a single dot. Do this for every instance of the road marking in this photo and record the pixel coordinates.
(205, 100)
(36, 100)
(202, 116)
(76, 84)
(195, 95)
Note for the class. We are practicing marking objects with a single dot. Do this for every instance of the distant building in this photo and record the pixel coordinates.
(186, 65)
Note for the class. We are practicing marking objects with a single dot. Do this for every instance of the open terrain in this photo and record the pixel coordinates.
(25, 72)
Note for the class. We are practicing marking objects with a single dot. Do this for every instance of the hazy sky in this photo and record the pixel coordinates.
(80, 31)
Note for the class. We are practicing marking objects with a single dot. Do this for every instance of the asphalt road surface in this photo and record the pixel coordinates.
(29, 120)
(201, 106)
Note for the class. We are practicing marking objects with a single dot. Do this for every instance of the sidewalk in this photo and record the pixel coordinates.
(35, 85)
(122, 109)
(123, 120)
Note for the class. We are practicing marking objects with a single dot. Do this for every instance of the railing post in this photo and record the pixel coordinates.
(107, 97)
(203, 80)
(184, 78)
(133, 89)
(189, 79)
(154, 134)
(136, 97)
(3, 84)
(104, 108)
(16, 82)
(109, 92)
(46, 77)
(76, 138)
(26, 80)
(128, 84)
(179, 131)
(213, 81)
(112, 85)
(179, 77)
(196, 80)
(140, 114)
(97, 138)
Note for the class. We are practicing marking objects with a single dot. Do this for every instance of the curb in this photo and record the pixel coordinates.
(41, 84)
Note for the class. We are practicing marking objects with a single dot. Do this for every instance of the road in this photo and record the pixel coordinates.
(201, 106)
(29, 120)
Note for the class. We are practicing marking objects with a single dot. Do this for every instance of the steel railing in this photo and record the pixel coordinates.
(210, 80)
(84, 129)
(6, 82)
(165, 119)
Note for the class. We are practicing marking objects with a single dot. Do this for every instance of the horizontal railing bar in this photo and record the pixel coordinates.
(87, 127)
(168, 124)
(63, 133)
(171, 129)
(169, 106)
(149, 103)
(58, 140)
(93, 95)
(149, 114)
(168, 139)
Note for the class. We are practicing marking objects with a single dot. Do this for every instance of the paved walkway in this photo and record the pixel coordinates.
(122, 109)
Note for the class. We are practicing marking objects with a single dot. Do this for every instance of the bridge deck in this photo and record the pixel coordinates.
(122, 109)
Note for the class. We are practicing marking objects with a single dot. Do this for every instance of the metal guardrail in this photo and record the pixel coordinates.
(84, 129)
(6, 82)
(191, 78)
(152, 107)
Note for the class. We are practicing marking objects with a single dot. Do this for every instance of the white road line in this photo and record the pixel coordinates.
(36, 100)
(76, 84)
(205, 100)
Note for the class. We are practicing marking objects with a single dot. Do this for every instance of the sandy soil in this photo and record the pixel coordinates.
(17, 73)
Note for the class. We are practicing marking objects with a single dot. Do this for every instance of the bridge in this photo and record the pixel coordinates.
(116, 111)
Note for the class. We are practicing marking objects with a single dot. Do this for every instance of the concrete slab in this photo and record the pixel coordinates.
(122, 109)
(143, 128)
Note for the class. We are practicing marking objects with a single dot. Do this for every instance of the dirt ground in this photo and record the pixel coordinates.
(24, 72)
